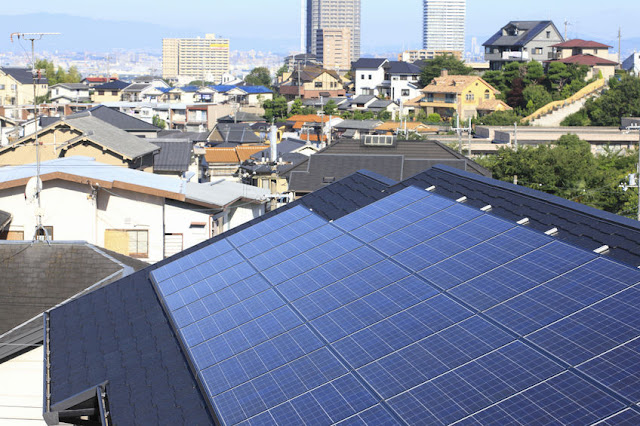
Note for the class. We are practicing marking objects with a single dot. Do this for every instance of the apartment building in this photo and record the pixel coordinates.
(197, 58)
(333, 14)
(334, 48)
(444, 24)
(425, 55)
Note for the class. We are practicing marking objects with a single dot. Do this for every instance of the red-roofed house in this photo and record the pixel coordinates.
(596, 65)
(581, 47)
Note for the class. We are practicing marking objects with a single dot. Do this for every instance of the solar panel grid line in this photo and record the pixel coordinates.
(609, 351)
(335, 353)
(628, 416)
(538, 349)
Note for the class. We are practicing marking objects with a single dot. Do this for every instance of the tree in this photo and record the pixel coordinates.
(158, 122)
(515, 97)
(60, 75)
(296, 107)
(384, 115)
(201, 83)
(330, 108)
(535, 97)
(513, 71)
(434, 118)
(434, 67)
(621, 100)
(275, 109)
(496, 79)
(534, 73)
(558, 75)
(498, 118)
(259, 76)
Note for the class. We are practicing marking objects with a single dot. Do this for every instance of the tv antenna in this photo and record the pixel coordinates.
(566, 26)
(37, 75)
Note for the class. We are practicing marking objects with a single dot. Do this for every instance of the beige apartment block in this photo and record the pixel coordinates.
(196, 58)
(334, 48)
(425, 55)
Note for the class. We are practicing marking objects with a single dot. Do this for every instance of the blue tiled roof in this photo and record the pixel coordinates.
(255, 89)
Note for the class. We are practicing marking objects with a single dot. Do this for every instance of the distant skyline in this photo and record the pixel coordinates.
(277, 24)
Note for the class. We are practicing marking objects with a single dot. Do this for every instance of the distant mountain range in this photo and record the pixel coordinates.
(95, 35)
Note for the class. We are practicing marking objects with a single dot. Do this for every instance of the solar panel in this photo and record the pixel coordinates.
(414, 309)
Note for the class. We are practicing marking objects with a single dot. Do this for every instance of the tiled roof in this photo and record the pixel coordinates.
(241, 133)
(410, 125)
(173, 156)
(589, 60)
(494, 105)
(358, 124)
(399, 67)
(113, 85)
(38, 276)
(368, 63)
(450, 84)
(527, 31)
(311, 118)
(111, 116)
(579, 43)
(235, 155)
(23, 75)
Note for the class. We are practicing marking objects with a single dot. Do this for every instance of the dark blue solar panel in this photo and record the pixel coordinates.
(628, 417)
(415, 308)
(564, 399)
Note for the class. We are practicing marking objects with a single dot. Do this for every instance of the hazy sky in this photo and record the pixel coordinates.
(385, 23)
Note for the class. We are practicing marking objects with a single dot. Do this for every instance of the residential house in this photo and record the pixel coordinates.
(632, 64)
(321, 102)
(464, 95)
(393, 80)
(522, 41)
(578, 46)
(109, 92)
(82, 134)
(243, 95)
(355, 129)
(224, 162)
(144, 92)
(131, 212)
(455, 272)
(241, 117)
(122, 121)
(17, 86)
(175, 158)
(37, 276)
(385, 155)
(231, 134)
(310, 83)
(93, 82)
(596, 65)
(67, 93)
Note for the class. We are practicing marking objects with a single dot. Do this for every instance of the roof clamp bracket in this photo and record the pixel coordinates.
(431, 188)
(486, 208)
(462, 199)
(552, 232)
(602, 250)
(524, 221)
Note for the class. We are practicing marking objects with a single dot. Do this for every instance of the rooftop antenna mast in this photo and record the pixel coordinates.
(566, 25)
(36, 74)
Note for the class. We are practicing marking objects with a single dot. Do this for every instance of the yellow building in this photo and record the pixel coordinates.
(196, 58)
(82, 135)
(16, 86)
(333, 48)
(468, 96)
(108, 92)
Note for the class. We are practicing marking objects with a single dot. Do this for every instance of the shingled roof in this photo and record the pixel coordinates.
(527, 31)
(37, 276)
(23, 75)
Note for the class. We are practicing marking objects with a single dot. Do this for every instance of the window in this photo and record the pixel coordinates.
(370, 77)
(100, 92)
(537, 50)
(548, 34)
(134, 243)
(44, 234)
(114, 93)
(403, 77)
(318, 84)
(405, 92)
(1, 86)
(487, 94)
(14, 87)
(362, 77)
(470, 96)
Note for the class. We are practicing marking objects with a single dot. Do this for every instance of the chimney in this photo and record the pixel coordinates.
(273, 143)
(444, 73)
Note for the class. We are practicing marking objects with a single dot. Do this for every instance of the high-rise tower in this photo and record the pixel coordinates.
(333, 14)
(443, 26)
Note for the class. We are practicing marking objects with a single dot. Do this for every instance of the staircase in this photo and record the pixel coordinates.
(552, 114)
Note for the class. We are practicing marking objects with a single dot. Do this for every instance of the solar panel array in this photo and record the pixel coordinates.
(415, 309)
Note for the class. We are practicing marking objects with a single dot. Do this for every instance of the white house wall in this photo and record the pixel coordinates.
(181, 219)
(21, 390)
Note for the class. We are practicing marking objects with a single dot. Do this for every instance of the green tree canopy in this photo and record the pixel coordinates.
(275, 109)
(499, 118)
(59, 75)
(434, 67)
(330, 108)
(535, 97)
(259, 76)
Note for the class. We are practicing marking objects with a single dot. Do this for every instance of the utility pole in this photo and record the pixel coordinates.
(459, 131)
(566, 25)
(619, 45)
(36, 74)
(515, 134)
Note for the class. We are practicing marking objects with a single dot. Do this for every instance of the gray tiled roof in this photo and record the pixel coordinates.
(136, 87)
(110, 136)
(358, 124)
(23, 75)
(174, 156)
(398, 67)
(237, 133)
(368, 63)
(116, 118)
(351, 155)
(527, 31)
(38, 276)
